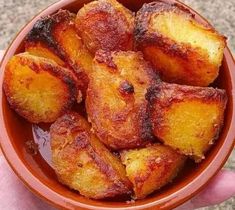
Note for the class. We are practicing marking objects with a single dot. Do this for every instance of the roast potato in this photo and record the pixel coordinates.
(187, 118)
(183, 50)
(83, 163)
(151, 168)
(115, 101)
(38, 89)
(106, 25)
(55, 37)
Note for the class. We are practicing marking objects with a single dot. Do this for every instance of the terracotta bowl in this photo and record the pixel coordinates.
(40, 178)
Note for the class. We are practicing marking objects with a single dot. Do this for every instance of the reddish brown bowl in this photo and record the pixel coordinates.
(40, 177)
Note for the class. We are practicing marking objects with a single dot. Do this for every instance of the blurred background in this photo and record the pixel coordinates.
(15, 13)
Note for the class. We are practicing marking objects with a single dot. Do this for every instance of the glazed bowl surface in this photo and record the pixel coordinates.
(40, 178)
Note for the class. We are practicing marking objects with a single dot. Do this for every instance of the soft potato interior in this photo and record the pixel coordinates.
(116, 103)
(197, 126)
(151, 168)
(186, 118)
(38, 89)
(184, 30)
(83, 163)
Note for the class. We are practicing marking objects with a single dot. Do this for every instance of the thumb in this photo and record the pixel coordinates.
(221, 188)
(1, 54)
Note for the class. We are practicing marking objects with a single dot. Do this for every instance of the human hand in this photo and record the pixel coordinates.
(220, 188)
(15, 196)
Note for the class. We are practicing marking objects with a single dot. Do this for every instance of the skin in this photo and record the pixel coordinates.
(221, 188)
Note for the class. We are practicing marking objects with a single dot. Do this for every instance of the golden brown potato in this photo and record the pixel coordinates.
(106, 25)
(116, 103)
(187, 118)
(151, 168)
(183, 50)
(38, 89)
(38, 48)
(55, 37)
(83, 163)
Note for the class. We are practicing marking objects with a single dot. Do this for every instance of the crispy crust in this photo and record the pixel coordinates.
(17, 87)
(116, 104)
(57, 34)
(43, 30)
(177, 62)
(83, 163)
(106, 25)
(169, 93)
(151, 168)
(163, 98)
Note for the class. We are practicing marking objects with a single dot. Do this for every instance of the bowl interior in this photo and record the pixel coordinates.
(40, 177)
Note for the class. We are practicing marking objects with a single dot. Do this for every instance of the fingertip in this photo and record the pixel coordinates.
(221, 188)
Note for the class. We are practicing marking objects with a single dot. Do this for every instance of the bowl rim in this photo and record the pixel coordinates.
(52, 197)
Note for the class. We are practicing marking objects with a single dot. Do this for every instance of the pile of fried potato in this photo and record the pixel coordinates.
(133, 71)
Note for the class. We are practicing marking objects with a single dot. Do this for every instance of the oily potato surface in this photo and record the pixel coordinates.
(38, 89)
(42, 84)
(55, 37)
(83, 163)
(151, 168)
(183, 50)
(116, 103)
(106, 25)
(187, 118)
